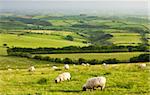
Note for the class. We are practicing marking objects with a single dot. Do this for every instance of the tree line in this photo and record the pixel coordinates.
(140, 58)
(76, 49)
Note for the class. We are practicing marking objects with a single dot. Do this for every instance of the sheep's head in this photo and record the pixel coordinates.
(57, 80)
(84, 88)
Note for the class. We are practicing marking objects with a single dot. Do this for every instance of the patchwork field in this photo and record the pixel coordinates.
(126, 38)
(123, 79)
(36, 41)
(98, 56)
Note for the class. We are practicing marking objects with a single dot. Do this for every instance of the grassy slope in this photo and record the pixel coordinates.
(29, 41)
(123, 79)
(98, 56)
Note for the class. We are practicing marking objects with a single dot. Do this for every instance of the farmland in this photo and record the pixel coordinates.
(125, 38)
(20, 81)
(98, 56)
(128, 38)
(36, 41)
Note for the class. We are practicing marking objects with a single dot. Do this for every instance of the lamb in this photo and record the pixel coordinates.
(66, 66)
(62, 77)
(95, 82)
(31, 69)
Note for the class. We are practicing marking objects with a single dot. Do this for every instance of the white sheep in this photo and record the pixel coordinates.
(31, 69)
(62, 77)
(142, 65)
(95, 82)
(66, 66)
(83, 64)
(9, 69)
(104, 64)
(87, 64)
(54, 67)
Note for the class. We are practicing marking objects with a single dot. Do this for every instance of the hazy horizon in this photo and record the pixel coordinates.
(110, 7)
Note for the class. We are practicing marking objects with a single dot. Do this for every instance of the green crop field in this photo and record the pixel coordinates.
(39, 41)
(126, 38)
(123, 79)
(98, 56)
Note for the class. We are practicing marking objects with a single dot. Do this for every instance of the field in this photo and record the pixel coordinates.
(98, 56)
(123, 79)
(36, 40)
(34, 31)
(126, 39)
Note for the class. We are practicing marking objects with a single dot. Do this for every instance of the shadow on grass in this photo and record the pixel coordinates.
(77, 91)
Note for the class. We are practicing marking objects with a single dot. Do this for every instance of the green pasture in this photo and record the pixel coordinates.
(33, 41)
(98, 56)
(122, 79)
(126, 38)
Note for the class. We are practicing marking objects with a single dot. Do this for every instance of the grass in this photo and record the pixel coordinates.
(63, 22)
(123, 79)
(126, 38)
(98, 56)
(39, 41)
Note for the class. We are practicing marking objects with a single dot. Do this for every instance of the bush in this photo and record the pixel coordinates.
(69, 37)
(67, 61)
(81, 60)
(111, 61)
(42, 81)
(141, 58)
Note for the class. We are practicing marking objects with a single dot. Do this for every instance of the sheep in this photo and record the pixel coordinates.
(95, 82)
(142, 65)
(66, 66)
(31, 69)
(104, 64)
(83, 64)
(62, 77)
(87, 64)
(9, 69)
(54, 67)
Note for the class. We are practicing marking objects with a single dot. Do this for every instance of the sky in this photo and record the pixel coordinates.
(76, 6)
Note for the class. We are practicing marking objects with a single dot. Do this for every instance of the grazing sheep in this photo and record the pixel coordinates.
(9, 69)
(95, 82)
(66, 66)
(62, 77)
(83, 64)
(87, 64)
(54, 67)
(142, 65)
(31, 69)
(104, 64)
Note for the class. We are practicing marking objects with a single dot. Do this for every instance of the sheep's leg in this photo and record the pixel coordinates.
(94, 88)
(102, 87)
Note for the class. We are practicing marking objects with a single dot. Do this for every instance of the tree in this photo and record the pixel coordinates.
(69, 37)
(81, 60)
(67, 61)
